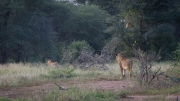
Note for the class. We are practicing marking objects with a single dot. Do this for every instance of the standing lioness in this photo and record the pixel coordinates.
(124, 64)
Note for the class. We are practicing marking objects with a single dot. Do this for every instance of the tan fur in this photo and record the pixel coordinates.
(127, 24)
(124, 64)
(51, 64)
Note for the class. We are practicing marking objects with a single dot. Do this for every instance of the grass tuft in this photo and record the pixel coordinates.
(4, 99)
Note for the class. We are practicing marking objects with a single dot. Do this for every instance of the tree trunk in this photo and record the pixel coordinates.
(143, 43)
(4, 55)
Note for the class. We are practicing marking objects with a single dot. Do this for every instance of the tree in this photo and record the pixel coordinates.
(150, 24)
(145, 62)
(73, 50)
(9, 10)
(24, 35)
(111, 6)
(84, 23)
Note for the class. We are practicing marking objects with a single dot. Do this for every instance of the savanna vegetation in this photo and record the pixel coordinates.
(33, 31)
(83, 36)
(31, 82)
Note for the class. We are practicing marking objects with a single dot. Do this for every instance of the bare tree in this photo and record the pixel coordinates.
(89, 59)
(146, 61)
(84, 60)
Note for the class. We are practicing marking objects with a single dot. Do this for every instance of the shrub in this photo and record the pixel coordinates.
(123, 94)
(74, 50)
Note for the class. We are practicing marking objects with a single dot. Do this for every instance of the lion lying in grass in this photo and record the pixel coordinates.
(124, 64)
(51, 63)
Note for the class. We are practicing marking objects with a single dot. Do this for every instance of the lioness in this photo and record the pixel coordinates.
(124, 64)
(51, 64)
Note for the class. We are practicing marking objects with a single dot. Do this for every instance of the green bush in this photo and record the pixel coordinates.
(79, 46)
(74, 50)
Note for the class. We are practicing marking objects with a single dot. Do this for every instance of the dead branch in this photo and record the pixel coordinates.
(89, 59)
(146, 60)
(156, 74)
(61, 88)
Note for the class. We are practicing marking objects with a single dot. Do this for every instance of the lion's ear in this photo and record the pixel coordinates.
(121, 53)
(116, 54)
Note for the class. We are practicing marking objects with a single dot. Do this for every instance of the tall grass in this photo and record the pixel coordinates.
(20, 74)
(164, 65)
(32, 74)
(27, 74)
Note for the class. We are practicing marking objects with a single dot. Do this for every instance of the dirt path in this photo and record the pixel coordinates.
(102, 85)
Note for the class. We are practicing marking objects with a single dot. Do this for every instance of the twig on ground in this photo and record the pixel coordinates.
(61, 88)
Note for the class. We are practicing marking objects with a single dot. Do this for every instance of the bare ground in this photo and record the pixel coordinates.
(93, 84)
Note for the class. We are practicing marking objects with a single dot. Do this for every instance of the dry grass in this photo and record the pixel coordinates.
(31, 74)
(164, 65)
(28, 74)
(18, 74)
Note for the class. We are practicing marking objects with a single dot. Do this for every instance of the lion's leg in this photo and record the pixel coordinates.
(121, 69)
(124, 73)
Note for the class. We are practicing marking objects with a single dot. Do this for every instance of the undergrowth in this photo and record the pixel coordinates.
(28, 75)
(164, 85)
(174, 70)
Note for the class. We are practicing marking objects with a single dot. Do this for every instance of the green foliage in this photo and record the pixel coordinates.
(161, 38)
(61, 73)
(177, 53)
(25, 35)
(4, 99)
(79, 46)
(99, 96)
(111, 6)
(32, 30)
(85, 23)
(103, 96)
(149, 25)
(74, 49)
